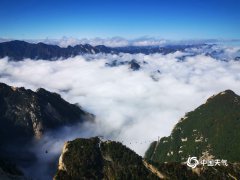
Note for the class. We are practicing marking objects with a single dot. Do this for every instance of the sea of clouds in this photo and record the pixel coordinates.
(134, 107)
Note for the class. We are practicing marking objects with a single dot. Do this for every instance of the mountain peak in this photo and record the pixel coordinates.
(224, 97)
(228, 92)
(4, 88)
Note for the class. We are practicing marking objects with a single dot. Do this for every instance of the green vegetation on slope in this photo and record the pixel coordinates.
(122, 163)
(109, 160)
(81, 159)
(210, 131)
(95, 159)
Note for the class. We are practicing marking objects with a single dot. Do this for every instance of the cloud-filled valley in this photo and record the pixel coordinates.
(134, 107)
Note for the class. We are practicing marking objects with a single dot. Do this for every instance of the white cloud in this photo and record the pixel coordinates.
(4, 40)
(110, 42)
(148, 42)
(129, 105)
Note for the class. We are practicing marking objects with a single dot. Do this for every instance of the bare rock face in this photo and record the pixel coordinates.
(61, 165)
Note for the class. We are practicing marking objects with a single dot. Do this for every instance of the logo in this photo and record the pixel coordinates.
(192, 162)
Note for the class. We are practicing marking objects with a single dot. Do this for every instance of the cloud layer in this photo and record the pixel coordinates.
(129, 105)
(110, 42)
(134, 107)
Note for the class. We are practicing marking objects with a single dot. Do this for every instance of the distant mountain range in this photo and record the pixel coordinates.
(19, 50)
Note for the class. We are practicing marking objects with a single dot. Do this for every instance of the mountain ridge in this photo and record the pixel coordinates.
(17, 50)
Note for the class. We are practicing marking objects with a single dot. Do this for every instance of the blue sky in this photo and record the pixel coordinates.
(168, 19)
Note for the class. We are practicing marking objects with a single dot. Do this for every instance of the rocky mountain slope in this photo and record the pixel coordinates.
(96, 159)
(29, 113)
(26, 115)
(210, 131)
